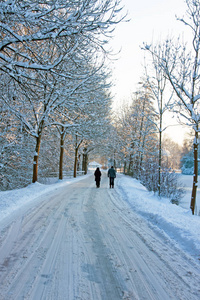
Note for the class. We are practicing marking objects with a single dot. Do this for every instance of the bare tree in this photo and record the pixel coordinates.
(181, 67)
(136, 131)
(157, 83)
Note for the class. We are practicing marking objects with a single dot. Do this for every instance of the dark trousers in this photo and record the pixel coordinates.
(98, 183)
(112, 182)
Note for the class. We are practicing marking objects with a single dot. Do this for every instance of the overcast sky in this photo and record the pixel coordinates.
(150, 21)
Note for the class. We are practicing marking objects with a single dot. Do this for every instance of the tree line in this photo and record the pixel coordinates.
(54, 82)
(172, 80)
(179, 64)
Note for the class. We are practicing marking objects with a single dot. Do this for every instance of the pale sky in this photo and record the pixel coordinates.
(150, 21)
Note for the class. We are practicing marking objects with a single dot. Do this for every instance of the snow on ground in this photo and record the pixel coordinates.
(12, 200)
(187, 181)
(174, 221)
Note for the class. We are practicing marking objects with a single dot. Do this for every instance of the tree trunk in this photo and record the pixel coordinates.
(125, 165)
(77, 145)
(61, 154)
(130, 164)
(75, 161)
(36, 156)
(160, 142)
(160, 160)
(114, 161)
(141, 157)
(195, 176)
(84, 162)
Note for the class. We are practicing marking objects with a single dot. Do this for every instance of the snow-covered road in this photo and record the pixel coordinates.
(80, 242)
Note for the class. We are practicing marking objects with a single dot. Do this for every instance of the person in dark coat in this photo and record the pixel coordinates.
(97, 175)
(112, 176)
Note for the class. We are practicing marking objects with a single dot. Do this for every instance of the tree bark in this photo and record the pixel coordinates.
(125, 165)
(61, 154)
(84, 163)
(36, 157)
(130, 164)
(195, 176)
(159, 161)
(160, 142)
(75, 161)
(77, 145)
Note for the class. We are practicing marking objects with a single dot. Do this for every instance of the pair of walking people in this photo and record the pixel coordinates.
(111, 175)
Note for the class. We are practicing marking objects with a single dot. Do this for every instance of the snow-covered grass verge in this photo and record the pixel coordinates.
(178, 223)
(13, 200)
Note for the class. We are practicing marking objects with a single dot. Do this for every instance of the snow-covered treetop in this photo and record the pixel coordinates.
(26, 26)
(180, 64)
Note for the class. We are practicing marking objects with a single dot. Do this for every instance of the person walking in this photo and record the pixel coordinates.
(112, 176)
(97, 175)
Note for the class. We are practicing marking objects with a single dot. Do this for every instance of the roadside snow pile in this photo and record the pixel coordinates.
(178, 223)
(15, 199)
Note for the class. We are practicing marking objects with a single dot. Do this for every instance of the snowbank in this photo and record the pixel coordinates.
(12, 200)
(178, 223)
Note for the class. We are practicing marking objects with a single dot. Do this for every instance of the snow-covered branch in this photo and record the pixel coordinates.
(33, 25)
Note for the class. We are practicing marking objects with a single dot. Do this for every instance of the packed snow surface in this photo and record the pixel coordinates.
(71, 240)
